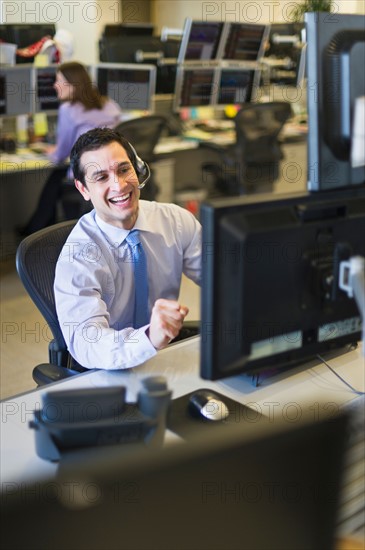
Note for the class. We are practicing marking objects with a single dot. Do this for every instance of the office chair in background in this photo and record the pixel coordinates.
(36, 259)
(251, 165)
(144, 133)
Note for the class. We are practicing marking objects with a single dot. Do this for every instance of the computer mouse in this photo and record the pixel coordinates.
(207, 405)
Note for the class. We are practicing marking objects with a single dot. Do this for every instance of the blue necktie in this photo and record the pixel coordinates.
(138, 257)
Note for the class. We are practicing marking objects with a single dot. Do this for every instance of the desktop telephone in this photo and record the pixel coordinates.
(75, 419)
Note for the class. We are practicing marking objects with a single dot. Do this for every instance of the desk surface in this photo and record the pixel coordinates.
(315, 389)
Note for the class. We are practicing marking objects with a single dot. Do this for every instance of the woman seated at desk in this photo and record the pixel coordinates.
(82, 108)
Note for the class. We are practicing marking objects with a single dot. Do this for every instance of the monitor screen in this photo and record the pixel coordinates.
(131, 86)
(213, 493)
(46, 96)
(270, 293)
(245, 42)
(16, 90)
(236, 86)
(194, 87)
(200, 41)
(335, 85)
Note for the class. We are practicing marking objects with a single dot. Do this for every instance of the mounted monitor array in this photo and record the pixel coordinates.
(26, 89)
(214, 86)
(219, 63)
(222, 42)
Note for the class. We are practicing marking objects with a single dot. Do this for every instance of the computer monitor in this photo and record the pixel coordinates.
(200, 41)
(244, 42)
(238, 487)
(335, 86)
(270, 293)
(127, 49)
(129, 29)
(46, 98)
(131, 86)
(194, 87)
(25, 35)
(16, 90)
(235, 86)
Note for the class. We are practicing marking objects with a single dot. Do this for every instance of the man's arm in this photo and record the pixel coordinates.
(84, 291)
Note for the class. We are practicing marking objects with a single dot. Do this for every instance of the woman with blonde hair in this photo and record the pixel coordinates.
(82, 108)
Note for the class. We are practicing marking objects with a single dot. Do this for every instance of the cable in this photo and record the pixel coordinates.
(340, 377)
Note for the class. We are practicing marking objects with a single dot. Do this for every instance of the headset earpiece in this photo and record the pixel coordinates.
(142, 169)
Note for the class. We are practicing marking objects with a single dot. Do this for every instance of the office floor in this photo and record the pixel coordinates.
(25, 334)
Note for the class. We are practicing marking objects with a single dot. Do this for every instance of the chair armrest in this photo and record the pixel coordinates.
(46, 373)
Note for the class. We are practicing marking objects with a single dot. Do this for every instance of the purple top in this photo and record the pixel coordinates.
(74, 120)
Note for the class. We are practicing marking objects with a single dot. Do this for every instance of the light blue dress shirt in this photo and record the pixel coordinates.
(94, 283)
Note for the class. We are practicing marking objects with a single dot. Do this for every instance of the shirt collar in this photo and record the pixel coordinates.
(116, 235)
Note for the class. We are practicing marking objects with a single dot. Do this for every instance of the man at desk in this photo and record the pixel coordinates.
(99, 288)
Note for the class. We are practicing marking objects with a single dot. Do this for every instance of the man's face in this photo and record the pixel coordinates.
(111, 185)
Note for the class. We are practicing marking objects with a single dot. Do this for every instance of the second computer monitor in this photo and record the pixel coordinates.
(235, 86)
(244, 42)
(131, 86)
(201, 40)
(194, 87)
(16, 90)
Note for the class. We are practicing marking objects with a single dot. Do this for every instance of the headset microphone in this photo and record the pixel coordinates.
(143, 170)
(147, 174)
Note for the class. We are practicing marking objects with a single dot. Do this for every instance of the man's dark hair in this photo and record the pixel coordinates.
(92, 141)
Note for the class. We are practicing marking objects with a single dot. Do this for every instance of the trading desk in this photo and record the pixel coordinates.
(287, 396)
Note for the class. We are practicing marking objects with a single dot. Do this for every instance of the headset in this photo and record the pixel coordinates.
(142, 168)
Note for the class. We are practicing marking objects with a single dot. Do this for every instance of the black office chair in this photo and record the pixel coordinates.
(144, 133)
(72, 203)
(251, 165)
(36, 259)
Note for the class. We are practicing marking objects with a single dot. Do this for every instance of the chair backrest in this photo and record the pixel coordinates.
(36, 259)
(257, 129)
(144, 133)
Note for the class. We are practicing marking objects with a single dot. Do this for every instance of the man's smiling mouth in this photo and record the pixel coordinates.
(121, 199)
